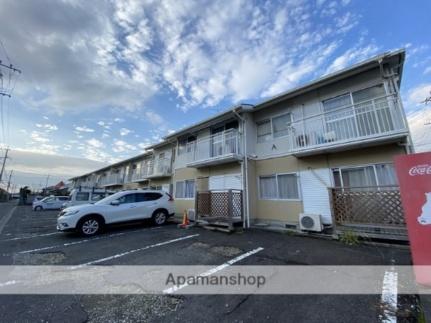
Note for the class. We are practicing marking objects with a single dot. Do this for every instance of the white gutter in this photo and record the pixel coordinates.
(244, 169)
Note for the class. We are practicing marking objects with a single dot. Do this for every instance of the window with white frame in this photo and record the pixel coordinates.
(279, 187)
(186, 145)
(185, 189)
(274, 128)
(264, 131)
(365, 176)
(281, 125)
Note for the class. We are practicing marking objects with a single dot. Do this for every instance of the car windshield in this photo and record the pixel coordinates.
(109, 198)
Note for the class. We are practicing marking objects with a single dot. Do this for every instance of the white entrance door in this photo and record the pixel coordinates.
(315, 196)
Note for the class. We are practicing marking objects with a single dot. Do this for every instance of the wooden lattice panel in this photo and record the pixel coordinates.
(220, 205)
(372, 206)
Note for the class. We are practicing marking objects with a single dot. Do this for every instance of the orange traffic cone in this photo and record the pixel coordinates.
(186, 221)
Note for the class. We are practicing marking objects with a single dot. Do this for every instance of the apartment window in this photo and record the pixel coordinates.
(185, 189)
(263, 131)
(279, 187)
(337, 102)
(386, 174)
(186, 145)
(281, 125)
(288, 186)
(365, 176)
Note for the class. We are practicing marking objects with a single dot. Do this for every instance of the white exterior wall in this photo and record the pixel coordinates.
(307, 105)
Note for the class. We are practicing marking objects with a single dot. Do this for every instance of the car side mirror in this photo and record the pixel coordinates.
(115, 202)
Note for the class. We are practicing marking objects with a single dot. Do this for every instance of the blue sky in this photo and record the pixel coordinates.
(103, 79)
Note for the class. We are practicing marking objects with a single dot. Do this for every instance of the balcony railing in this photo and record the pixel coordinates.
(111, 179)
(158, 167)
(364, 120)
(219, 146)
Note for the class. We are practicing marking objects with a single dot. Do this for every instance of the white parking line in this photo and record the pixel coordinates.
(133, 251)
(215, 269)
(67, 244)
(32, 236)
(53, 233)
(8, 283)
(389, 297)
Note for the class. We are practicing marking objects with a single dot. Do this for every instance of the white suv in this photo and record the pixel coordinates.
(123, 206)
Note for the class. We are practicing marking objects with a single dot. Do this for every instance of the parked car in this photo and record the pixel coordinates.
(49, 203)
(86, 196)
(124, 206)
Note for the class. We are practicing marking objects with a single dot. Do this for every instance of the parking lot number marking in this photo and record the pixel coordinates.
(134, 250)
(215, 269)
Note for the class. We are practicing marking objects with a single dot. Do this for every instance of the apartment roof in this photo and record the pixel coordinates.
(397, 57)
(115, 164)
(209, 121)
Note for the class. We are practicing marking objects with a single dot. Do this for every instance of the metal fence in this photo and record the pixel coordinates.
(369, 211)
(367, 119)
(221, 206)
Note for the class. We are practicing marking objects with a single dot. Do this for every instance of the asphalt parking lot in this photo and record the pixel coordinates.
(29, 238)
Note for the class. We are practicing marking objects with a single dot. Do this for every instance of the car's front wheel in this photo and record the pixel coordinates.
(38, 208)
(160, 217)
(90, 226)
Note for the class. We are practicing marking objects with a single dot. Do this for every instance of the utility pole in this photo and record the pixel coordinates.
(8, 182)
(4, 92)
(4, 162)
(47, 178)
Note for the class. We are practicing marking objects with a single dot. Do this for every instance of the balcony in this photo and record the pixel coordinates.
(378, 120)
(157, 168)
(111, 180)
(223, 147)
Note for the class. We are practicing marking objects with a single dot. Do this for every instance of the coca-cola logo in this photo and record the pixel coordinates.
(420, 170)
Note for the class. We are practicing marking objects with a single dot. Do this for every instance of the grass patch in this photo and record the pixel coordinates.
(349, 238)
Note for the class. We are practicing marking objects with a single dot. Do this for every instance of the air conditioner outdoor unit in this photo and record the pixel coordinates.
(310, 222)
(191, 214)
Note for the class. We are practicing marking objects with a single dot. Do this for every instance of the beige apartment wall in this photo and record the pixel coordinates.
(200, 175)
(288, 211)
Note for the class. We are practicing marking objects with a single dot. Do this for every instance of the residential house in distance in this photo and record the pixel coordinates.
(300, 152)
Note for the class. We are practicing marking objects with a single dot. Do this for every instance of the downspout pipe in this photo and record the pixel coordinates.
(246, 222)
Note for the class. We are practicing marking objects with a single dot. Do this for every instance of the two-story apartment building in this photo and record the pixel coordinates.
(341, 130)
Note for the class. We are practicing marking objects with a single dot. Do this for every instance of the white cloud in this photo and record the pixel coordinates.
(417, 95)
(420, 127)
(83, 129)
(47, 126)
(427, 70)
(95, 143)
(120, 146)
(154, 118)
(39, 137)
(125, 131)
(351, 56)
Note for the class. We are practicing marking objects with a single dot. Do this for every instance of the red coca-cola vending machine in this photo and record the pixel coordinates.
(414, 177)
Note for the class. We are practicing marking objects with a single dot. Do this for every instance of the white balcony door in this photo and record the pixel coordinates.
(315, 196)
(217, 142)
(373, 115)
(340, 123)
